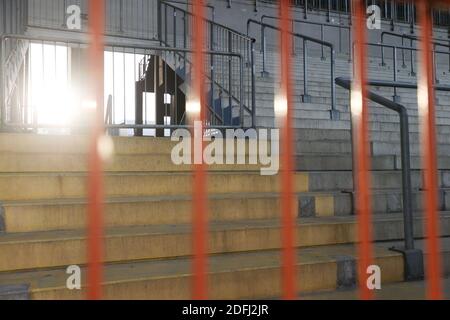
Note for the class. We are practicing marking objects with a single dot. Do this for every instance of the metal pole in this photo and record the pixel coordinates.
(403, 53)
(321, 38)
(392, 15)
(413, 73)
(159, 21)
(394, 57)
(328, 10)
(333, 86)
(174, 28)
(253, 84)
(406, 181)
(230, 78)
(211, 57)
(383, 63)
(241, 89)
(264, 71)
(121, 15)
(2, 82)
(293, 37)
(305, 13)
(305, 72)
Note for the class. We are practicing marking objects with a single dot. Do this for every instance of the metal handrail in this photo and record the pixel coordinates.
(305, 39)
(408, 223)
(395, 50)
(321, 24)
(411, 38)
(3, 38)
(235, 32)
(206, 5)
(244, 47)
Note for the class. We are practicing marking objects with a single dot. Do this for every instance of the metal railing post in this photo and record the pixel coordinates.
(174, 28)
(305, 98)
(413, 73)
(253, 84)
(2, 82)
(305, 12)
(159, 10)
(328, 10)
(321, 38)
(406, 180)
(264, 71)
(230, 78)
(403, 53)
(293, 37)
(334, 111)
(212, 71)
(435, 76)
(121, 15)
(241, 89)
(394, 57)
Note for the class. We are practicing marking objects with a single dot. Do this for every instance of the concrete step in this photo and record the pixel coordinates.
(343, 162)
(64, 162)
(41, 186)
(249, 275)
(65, 214)
(385, 201)
(325, 181)
(33, 250)
(415, 290)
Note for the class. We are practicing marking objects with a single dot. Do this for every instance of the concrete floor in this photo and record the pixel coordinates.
(398, 291)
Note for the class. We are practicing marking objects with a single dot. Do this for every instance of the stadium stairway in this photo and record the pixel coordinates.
(148, 223)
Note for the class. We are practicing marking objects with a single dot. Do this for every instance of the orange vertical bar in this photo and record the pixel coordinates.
(95, 179)
(287, 162)
(428, 140)
(199, 196)
(362, 159)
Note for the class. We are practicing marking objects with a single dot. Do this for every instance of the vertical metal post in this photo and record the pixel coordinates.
(406, 181)
(411, 17)
(264, 71)
(413, 73)
(427, 116)
(394, 59)
(321, 47)
(436, 80)
(174, 28)
(121, 15)
(328, 10)
(253, 83)
(305, 12)
(403, 53)
(159, 10)
(293, 37)
(306, 97)
(2, 82)
(230, 76)
(212, 71)
(333, 86)
(393, 13)
(241, 91)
